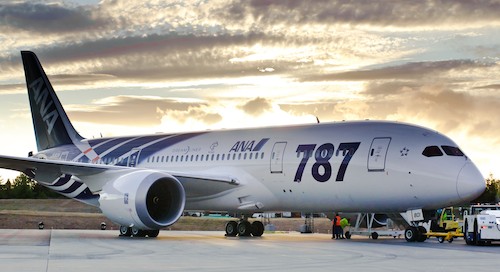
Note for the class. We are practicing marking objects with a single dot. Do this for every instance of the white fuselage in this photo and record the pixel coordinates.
(347, 166)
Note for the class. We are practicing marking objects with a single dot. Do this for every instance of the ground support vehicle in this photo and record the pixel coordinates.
(445, 236)
(482, 225)
(447, 226)
(370, 219)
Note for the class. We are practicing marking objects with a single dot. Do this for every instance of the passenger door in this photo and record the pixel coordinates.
(277, 157)
(378, 153)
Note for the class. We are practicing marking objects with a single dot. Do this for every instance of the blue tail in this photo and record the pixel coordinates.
(52, 126)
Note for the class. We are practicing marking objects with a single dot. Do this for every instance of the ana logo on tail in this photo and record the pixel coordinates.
(46, 109)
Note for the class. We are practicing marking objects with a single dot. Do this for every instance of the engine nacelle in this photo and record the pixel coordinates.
(144, 199)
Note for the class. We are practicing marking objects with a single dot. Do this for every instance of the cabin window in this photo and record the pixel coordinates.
(432, 151)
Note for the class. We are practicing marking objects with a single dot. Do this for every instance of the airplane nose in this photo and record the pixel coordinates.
(470, 182)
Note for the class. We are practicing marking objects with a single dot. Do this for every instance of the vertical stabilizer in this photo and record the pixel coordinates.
(52, 126)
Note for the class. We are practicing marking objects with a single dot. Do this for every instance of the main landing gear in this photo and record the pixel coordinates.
(243, 228)
(135, 232)
(417, 234)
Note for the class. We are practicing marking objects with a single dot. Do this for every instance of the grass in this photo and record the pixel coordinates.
(71, 214)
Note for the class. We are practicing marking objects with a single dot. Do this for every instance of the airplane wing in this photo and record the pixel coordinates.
(96, 175)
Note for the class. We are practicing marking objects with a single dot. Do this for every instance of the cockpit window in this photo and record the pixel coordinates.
(432, 151)
(452, 151)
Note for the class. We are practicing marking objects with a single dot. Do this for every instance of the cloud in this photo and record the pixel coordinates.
(440, 107)
(256, 106)
(47, 18)
(491, 86)
(198, 114)
(409, 71)
(365, 12)
(132, 110)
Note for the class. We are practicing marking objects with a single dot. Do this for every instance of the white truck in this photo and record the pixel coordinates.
(482, 224)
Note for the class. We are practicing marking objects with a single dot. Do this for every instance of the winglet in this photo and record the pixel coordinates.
(52, 126)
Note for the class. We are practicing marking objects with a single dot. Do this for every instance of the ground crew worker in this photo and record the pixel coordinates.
(343, 223)
(337, 229)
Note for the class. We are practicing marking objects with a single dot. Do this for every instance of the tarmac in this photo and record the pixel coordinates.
(95, 250)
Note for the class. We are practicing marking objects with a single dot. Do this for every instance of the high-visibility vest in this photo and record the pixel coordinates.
(344, 222)
(337, 220)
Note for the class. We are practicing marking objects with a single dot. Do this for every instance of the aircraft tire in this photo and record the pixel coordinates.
(231, 229)
(257, 228)
(244, 228)
(125, 231)
(411, 234)
(153, 233)
(138, 232)
(421, 237)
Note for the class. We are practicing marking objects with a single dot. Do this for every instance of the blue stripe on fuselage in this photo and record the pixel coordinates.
(158, 142)
(122, 150)
(152, 149)
(109, 145)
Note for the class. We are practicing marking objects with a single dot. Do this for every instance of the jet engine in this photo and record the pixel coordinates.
(143, 199)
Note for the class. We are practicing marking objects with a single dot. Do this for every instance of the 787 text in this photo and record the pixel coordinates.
(322, 156)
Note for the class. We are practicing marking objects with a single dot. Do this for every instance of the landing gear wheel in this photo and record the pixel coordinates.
(411, 234)
(138, 232)
(244, 228)
(347, 235)
(257, 228)
(421, 231)
(374, 235)
(231, 229)
(153, 233)
(125, 231)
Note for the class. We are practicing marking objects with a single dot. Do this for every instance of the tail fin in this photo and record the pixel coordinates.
(52, 126)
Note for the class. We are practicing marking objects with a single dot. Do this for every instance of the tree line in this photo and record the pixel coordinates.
(24, 187)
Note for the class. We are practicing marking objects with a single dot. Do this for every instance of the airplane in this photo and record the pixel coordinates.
(144, 183)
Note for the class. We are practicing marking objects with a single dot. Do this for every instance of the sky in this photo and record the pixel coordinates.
(136, 67)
